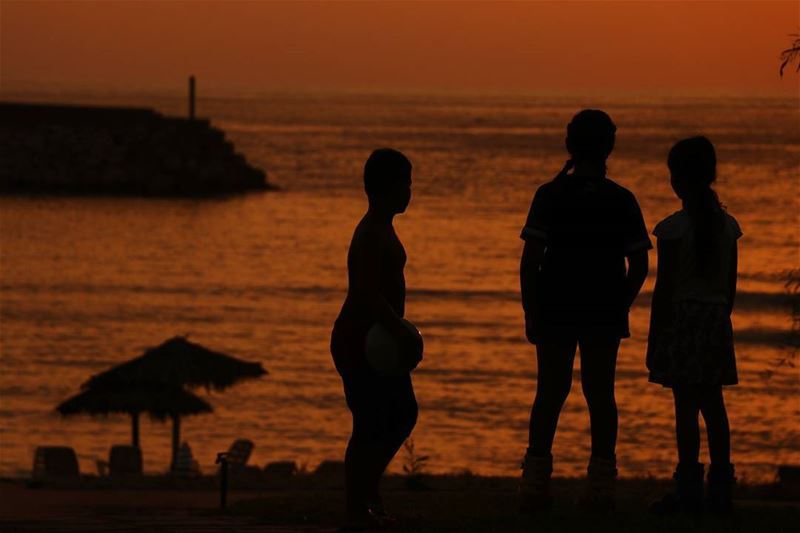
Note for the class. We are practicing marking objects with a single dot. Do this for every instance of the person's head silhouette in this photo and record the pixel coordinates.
(692, 166)
(590, 137)
(387, 180)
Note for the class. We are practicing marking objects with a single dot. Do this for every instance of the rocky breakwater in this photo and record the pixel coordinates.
(60, 149)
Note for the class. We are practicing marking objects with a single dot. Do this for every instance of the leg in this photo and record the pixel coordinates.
(357, 458)
(554, 358)
(356, 461)
(687, 426)
(712, 406)
(365, 457)
(554, 361)
(721, 478)
(598, 367)
(689, 472)
(402, 417)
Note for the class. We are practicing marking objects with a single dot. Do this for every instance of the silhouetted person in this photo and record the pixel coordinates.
(384, 408)
(690, 347)
(576, 291)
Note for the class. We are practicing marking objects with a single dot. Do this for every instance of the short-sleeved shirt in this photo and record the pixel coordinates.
(688, 284)
(589, 225)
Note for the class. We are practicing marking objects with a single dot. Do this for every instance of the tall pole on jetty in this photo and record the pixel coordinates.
(191, 97)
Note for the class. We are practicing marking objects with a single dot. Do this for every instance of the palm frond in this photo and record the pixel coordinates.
(791, 54)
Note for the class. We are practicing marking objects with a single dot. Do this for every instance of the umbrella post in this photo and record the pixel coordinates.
(135, 429)
(176, 439)
(222, 461)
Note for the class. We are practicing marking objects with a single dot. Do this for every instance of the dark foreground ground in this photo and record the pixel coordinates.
(463, 504)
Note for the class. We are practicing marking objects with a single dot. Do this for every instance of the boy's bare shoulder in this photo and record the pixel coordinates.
(367, 236)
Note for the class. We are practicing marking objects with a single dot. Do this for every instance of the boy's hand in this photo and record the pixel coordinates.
(410, 342)
(413, 347)
(530, 327)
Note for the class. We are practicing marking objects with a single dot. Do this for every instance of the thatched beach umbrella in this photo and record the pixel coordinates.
(178, 363)
(157, 401)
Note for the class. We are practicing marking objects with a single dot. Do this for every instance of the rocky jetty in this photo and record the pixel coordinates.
(60, 149)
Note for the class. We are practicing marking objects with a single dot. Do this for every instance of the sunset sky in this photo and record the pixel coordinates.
(664, 47)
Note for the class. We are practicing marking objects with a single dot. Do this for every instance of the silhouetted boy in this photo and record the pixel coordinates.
(576, 291)
(384, 408)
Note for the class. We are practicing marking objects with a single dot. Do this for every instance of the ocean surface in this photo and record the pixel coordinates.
(89, 282)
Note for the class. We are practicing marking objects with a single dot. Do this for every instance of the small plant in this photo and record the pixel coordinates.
(792, 286)
(414, 466)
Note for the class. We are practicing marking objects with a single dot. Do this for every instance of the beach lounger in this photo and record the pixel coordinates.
(55, 462)
(125, 460)
(240, 473)
(238, 455)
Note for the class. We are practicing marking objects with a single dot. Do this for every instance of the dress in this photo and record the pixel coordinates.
(695, 346)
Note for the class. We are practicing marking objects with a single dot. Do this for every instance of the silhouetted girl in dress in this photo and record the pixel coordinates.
(690, 348)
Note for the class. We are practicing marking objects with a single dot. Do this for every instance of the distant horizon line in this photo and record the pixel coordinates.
(18, 88)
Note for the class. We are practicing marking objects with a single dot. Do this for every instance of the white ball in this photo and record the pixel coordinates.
(384, 352)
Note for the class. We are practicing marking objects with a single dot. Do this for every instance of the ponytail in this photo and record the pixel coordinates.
(693, 165)
(705, 212)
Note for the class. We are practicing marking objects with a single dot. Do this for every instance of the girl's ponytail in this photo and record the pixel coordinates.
(693, 165)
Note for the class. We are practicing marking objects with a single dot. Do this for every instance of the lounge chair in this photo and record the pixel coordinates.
(55, 462)
(240, 473)
(125, 460)
(238, 455)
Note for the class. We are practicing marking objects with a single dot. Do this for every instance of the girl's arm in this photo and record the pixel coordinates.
(532, 256)
(637, 272)
(661, 307)
(733, 276)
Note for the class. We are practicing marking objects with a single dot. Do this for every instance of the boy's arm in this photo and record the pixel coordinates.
(733, 276)
(532, 256)
(638, 266)
(365, 269)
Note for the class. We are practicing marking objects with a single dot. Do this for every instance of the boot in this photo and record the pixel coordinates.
(601, 484)
(689, 496)
(534, 486)
(721, 480)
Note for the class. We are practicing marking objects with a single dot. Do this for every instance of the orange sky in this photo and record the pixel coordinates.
(726, 47)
